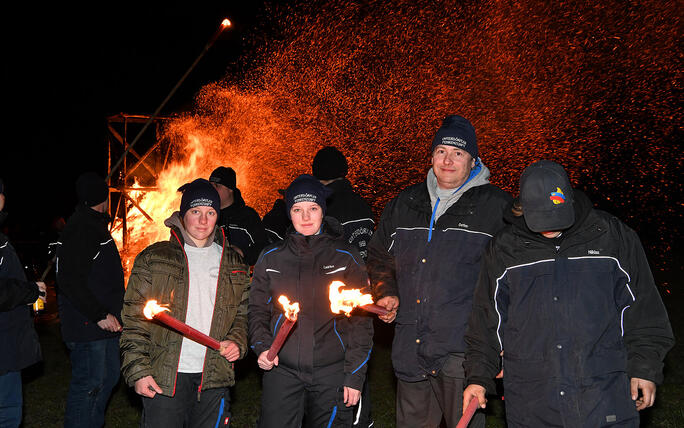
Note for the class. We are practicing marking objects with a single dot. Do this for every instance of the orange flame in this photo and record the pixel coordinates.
(152, 308)
(346, 300)
(291, 310)
(225, 23)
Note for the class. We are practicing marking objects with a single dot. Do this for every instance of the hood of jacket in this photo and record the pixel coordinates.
(174, 223)
(479, 176)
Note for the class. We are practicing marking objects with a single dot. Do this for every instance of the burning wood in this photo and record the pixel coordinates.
(346, 300)
(291, 311)
(152, 310)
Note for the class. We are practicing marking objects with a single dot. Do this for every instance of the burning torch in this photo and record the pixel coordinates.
(346, 300)
(157, 312)
(291, 311)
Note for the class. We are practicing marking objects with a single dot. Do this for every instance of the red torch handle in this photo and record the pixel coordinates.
(373, 308)
(188, 331)
(468, 414)
(280, 339)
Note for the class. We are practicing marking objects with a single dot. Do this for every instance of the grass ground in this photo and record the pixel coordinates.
(45, 385)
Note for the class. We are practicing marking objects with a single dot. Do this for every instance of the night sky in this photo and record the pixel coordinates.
(69, 65)
(595, 87)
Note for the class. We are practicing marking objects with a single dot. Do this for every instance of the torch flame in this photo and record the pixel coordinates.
(225, 23)
(346, 300)
(152, 308)
(291, 310)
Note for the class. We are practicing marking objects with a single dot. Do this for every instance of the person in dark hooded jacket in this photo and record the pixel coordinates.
(242, 224)
(18, 338)
(567, 297)
(318, 374)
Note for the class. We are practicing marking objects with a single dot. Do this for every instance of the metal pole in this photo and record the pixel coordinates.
(224, 24)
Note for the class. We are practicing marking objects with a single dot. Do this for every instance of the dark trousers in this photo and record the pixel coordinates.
(10, 399)
(94, 374)
(184, 410)
(362, 411)
(287, 402)
(422, 404)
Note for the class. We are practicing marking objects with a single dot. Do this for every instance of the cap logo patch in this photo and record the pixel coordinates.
(557, 197)
(454, 141)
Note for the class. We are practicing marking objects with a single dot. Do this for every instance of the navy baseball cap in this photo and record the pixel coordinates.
(546, 197)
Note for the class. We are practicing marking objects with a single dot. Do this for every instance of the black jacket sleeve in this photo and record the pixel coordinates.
(259, 311)
(381, 268)
(648, 334)
(258, 233)
(482, 358)
(360, 335)
(75, 259)
(15, 292)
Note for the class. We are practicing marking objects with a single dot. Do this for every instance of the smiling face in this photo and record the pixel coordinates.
(199, 222)
(307, 217)
(451, 166)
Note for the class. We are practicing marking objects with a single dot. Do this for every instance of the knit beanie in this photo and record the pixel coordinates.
(306, 188)
(199, 193)
(225, 176)
(456, 131)
(329, 163)
(91, 189)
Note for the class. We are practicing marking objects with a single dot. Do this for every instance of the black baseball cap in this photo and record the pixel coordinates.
(546, 197)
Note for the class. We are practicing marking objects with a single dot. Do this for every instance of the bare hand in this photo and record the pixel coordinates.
(229, 350)
(42, 288)
(110, 324)
(351, 396)
(648, 392)
(265, 363)
(391, 303)
(147, 387)
(474, 392)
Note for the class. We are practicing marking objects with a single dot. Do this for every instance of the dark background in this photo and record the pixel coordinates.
(68, 66)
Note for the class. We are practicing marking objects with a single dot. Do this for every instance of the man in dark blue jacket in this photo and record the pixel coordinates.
(567, 297)
(19, 347)
(423, 262)
(90, 289)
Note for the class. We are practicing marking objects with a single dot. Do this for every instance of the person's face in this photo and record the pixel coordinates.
(550, 234)
(225, 194)
(306, 217)
(451, 166)
(199, 222)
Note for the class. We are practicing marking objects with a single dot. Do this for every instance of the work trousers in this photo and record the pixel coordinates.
(423, 404)
(94, 374)
(10, 400)
(184, 410)
(287, 402)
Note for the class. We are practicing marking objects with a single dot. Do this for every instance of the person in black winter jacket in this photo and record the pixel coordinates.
(330, 167)
(567, 297)
(423, 260)
(276, 221)
(348, 207)
(317, 376)
(241, 223)
(90, 290)
(18, 338)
